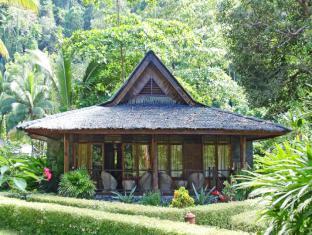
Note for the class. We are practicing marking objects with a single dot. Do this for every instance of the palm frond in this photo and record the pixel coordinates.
(31, 5)
(64, 79)
(3, 50)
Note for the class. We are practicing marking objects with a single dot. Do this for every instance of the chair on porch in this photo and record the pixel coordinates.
(165, 182)
(109, 182)
(197, 179)
(145, 182)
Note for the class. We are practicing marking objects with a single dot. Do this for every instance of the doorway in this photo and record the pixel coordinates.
(113, 161)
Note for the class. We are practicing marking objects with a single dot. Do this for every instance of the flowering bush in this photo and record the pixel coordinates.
(182, 198)
(47, 174)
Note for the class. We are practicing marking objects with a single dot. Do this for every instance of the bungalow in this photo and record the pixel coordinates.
(153, 135)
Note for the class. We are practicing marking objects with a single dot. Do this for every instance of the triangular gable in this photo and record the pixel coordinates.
(151, 78)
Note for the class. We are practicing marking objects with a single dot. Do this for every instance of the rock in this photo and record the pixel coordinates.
(165, 182)
(197, 179)
(145, 182)
(108, 181)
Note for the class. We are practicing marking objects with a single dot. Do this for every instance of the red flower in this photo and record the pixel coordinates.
(222, 198)
(47, 173)
(215, 193)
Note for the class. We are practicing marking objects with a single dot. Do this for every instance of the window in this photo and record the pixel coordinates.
(208, 159)
(137, 159)
(223, 159)
(163, 158)
(84, 156)
(144, 159)
(176, 160)
(170, 159)
(97, 156)
(209, 156)
(128, 160)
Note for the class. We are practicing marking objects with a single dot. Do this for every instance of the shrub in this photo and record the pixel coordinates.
(182, 198)
(77, 184)
(218, 214)
(283, 180)
(151, 198)
(248, 221)
(45, 218)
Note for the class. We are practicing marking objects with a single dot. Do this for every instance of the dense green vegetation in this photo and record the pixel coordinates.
(252, 57)
(283, 180)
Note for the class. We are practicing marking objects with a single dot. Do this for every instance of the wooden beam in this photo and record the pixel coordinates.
(242, 149)
(155, 163)
(66, 153)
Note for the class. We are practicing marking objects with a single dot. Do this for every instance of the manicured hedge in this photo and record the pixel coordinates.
(248, 221)
(214, 215)
(44, 218)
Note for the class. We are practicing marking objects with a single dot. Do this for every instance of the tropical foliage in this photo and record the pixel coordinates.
(20, 172)
(77, 184)
(283, 180)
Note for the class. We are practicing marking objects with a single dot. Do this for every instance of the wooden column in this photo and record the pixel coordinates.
(216, 175)
(155, 163)
(66, 153)
(242, 149)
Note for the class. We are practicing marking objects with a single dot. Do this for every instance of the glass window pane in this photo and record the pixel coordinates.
(223, 159)
(84, 152)
(128, 160)
(97, 156)
(209, 159)
(176, 160)
(144, 158)
(163, 158)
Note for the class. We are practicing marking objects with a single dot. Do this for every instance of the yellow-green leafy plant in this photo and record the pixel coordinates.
(77, 184)
(182, 198)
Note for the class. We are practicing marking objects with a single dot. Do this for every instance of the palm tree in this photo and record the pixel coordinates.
(61, 75)
(31, 99)
(31, 5)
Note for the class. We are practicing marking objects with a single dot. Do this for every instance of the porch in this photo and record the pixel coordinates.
(156, 162)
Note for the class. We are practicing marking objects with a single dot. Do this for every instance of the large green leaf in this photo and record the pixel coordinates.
(4, 169)
(64, 79)
(41, 59)
(20, 184)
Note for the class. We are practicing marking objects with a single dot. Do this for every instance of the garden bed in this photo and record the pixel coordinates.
(47, 218)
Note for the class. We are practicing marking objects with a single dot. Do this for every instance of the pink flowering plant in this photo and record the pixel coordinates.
(47, 174)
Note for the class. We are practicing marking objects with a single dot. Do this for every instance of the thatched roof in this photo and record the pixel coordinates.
(152, 101)
(173, 119)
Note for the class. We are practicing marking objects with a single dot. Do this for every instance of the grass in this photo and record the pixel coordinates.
(47, 218)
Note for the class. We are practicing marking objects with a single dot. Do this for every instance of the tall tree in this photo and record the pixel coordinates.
(270, 46)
